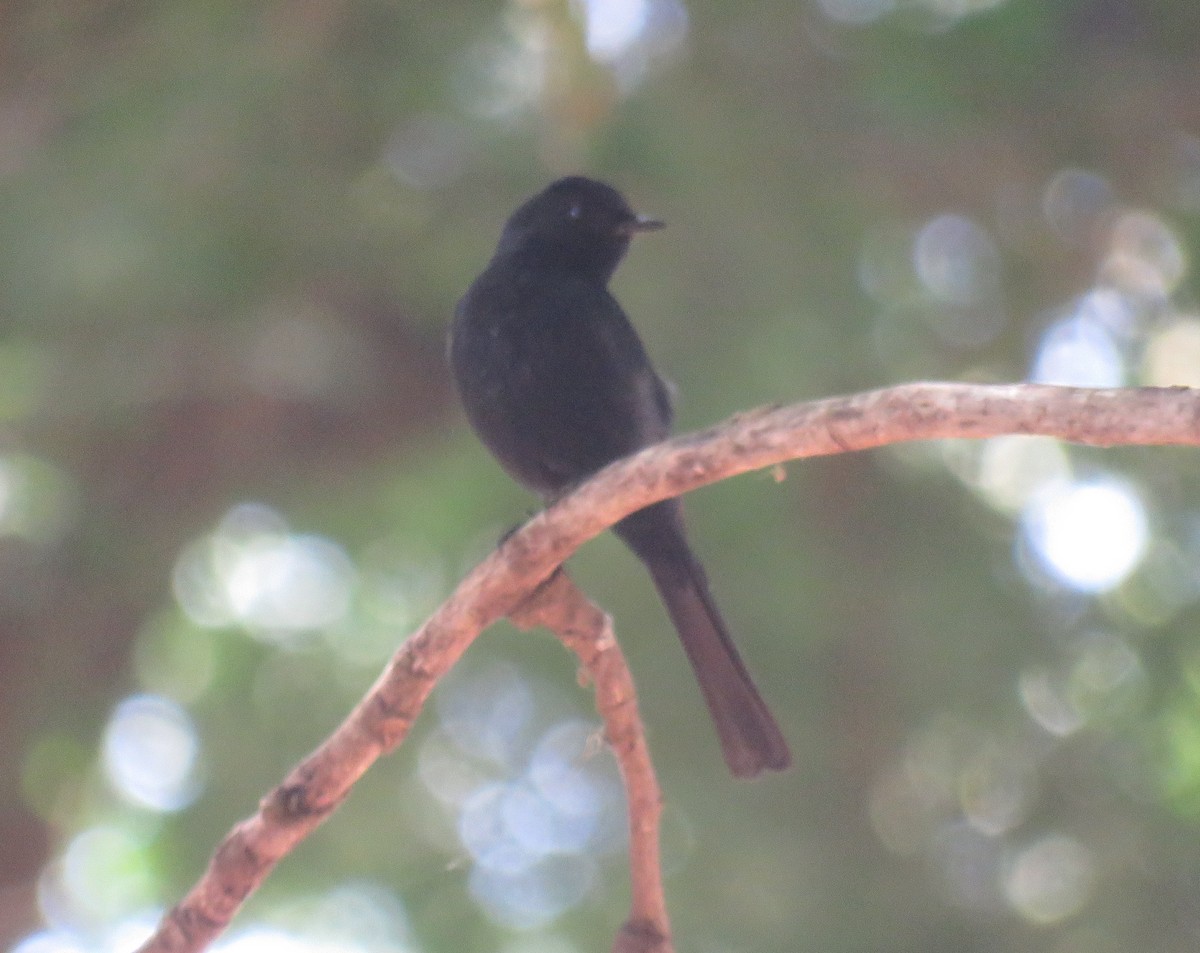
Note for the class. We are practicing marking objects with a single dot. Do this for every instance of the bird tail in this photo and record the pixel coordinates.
(750, 739)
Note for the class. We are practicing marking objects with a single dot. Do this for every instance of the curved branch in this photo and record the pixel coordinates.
(495, 588)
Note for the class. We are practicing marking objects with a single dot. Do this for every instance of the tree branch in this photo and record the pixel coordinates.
(587, 631)
(503, 581)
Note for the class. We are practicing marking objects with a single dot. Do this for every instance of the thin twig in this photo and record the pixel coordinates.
(750, 441)
(587, 631)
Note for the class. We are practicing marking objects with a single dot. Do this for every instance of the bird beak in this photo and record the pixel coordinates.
(640, 223)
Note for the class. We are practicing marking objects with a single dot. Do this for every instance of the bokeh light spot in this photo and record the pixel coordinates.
(488, 714)
(486, 830)
(1088, 535)
(1013, 469)
(151, 752)
(254, 573)
(612, 26)
(1081, 350)
(52, 941)
(1075, 202)
(956, 260)
(104, 873)
(630, 36)
(562, 771)
(38, 501)
(1048, 703)
(1050, 880)
(1106, 674)
(535, 896)
(995, 789)
(1145, 256)
(535, 799)
(289, 584)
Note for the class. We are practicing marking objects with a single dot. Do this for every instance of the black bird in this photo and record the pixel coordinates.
(556, 383)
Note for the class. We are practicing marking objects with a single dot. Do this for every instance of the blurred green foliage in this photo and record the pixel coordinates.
(231, 237)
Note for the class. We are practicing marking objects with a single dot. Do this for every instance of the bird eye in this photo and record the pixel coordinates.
(575, 210)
